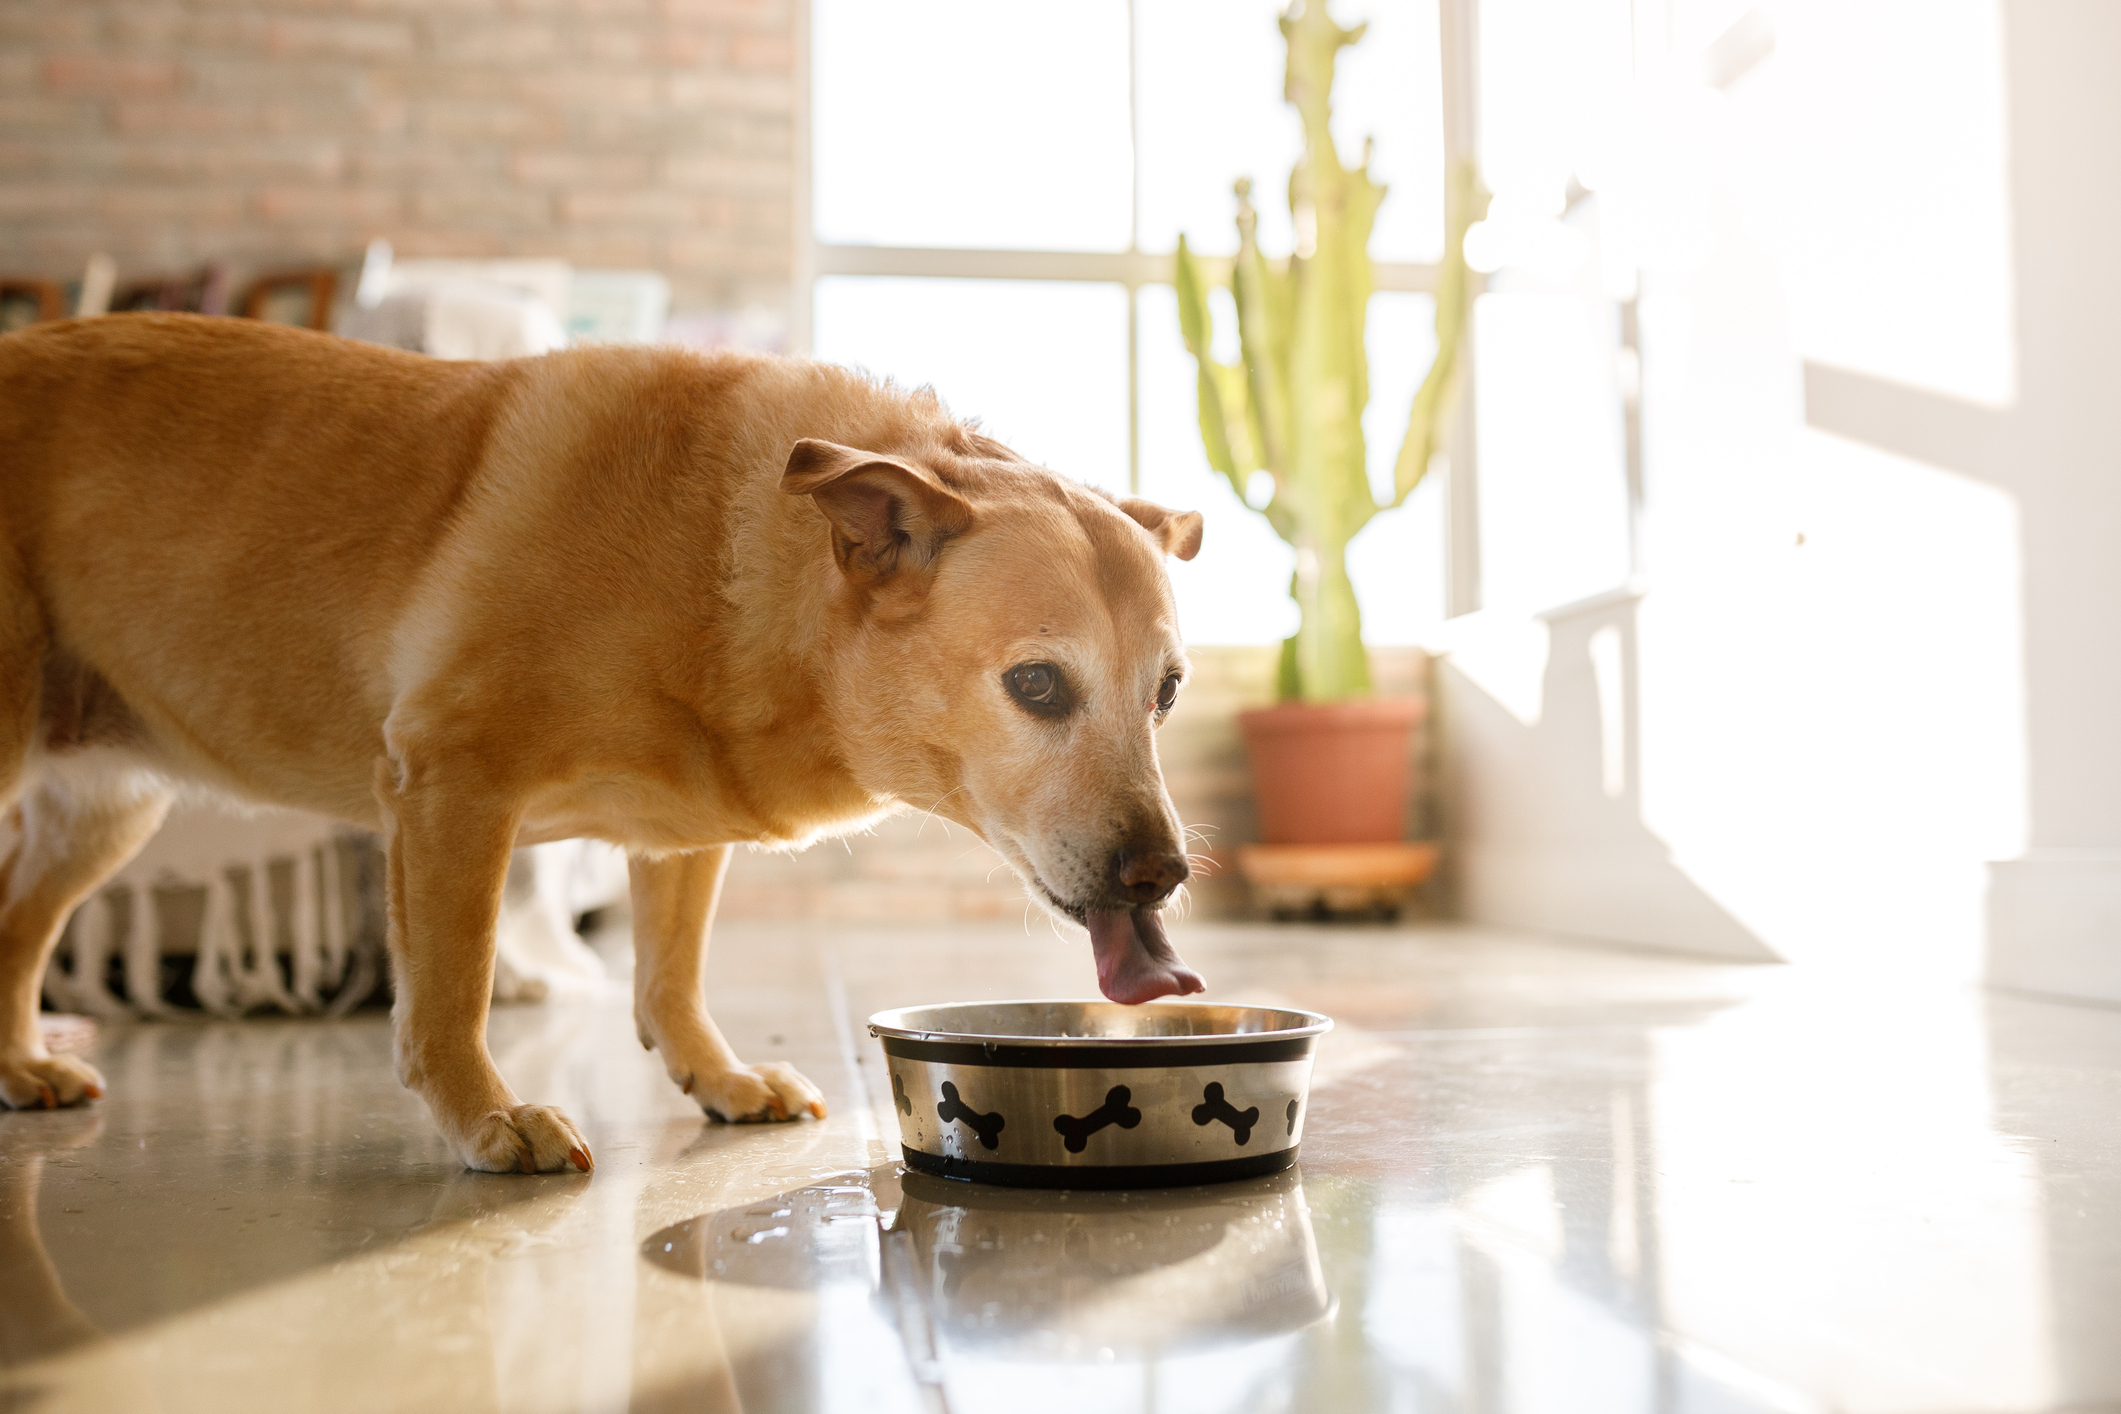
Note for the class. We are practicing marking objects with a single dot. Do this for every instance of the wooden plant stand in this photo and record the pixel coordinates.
(1336, 880)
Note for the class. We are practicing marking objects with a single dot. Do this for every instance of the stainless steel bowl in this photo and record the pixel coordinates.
(1061, 1094)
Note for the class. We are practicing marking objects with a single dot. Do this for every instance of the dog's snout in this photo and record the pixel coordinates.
(1147, 876)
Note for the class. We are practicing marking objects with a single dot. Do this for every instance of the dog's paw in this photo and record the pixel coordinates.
(526, 1139)
(750, 1093)
(47, 1083)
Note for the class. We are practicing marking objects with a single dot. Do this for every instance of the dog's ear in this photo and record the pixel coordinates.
(888, 515)
(1177, 531)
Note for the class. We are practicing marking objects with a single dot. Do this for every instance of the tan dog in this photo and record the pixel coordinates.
(671, 601)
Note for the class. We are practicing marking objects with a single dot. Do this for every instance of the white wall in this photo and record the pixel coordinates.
(1863, 709)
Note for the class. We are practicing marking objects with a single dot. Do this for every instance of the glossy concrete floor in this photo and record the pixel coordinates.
(1536, 1177)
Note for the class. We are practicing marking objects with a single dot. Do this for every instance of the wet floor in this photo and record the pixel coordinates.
(1534, 1177)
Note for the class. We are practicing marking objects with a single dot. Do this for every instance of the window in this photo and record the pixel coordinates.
(997, 190)
(1554, 332)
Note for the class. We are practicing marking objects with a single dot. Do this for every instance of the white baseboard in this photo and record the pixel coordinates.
(2054, 923)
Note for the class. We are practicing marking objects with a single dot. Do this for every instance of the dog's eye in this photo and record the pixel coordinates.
(1039, 688)
(1167, 694)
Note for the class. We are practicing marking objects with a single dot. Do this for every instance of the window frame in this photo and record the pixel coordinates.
(1134, 268)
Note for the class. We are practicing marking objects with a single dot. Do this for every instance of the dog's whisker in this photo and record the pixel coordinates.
(929, 813)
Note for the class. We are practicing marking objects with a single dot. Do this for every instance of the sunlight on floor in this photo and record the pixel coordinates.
(1537, 1178)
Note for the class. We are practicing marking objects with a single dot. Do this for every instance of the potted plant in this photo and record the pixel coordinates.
(1330, 761)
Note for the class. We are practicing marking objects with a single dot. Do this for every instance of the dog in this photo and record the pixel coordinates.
(675, 601)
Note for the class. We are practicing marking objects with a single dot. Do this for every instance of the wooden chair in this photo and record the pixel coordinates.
(26, 301)
(305, 294)
(205, 292)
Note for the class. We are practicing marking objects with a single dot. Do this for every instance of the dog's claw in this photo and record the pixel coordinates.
(771, 1093)
(528, 1139)
(581, 1160)
(47, 1083)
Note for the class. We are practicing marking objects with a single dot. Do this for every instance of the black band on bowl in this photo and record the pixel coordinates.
(1098, 1175)
(1098, 1057)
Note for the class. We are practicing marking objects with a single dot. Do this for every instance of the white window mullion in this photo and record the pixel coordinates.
(1460, 20)
(1134, 244)
(802, 274)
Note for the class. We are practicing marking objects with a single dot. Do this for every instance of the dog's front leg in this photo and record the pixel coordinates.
(673, 907)
(448, 850)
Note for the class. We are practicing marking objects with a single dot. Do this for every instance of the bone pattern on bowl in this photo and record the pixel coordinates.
(1019, 1115)
(987, 1126)
(1076, 1131)
(1213, 1107)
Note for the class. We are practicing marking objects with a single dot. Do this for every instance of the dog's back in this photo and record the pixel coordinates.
(198, 507)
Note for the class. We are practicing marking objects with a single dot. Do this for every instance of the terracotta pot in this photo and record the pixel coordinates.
(1332, 773)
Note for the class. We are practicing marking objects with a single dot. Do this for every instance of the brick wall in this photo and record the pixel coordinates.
(650, 134)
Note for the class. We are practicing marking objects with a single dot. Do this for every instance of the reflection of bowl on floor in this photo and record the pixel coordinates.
(1032, 1272)
(1068, 1094)
(1063, 1274)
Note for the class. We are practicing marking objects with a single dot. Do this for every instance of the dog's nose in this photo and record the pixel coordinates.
(1148, 876)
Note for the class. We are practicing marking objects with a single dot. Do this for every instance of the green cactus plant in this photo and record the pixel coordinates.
(1292, 405)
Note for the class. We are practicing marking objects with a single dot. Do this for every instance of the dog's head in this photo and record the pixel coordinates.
(1005, 647)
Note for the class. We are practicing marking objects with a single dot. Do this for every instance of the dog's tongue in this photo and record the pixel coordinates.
(1135, 961)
